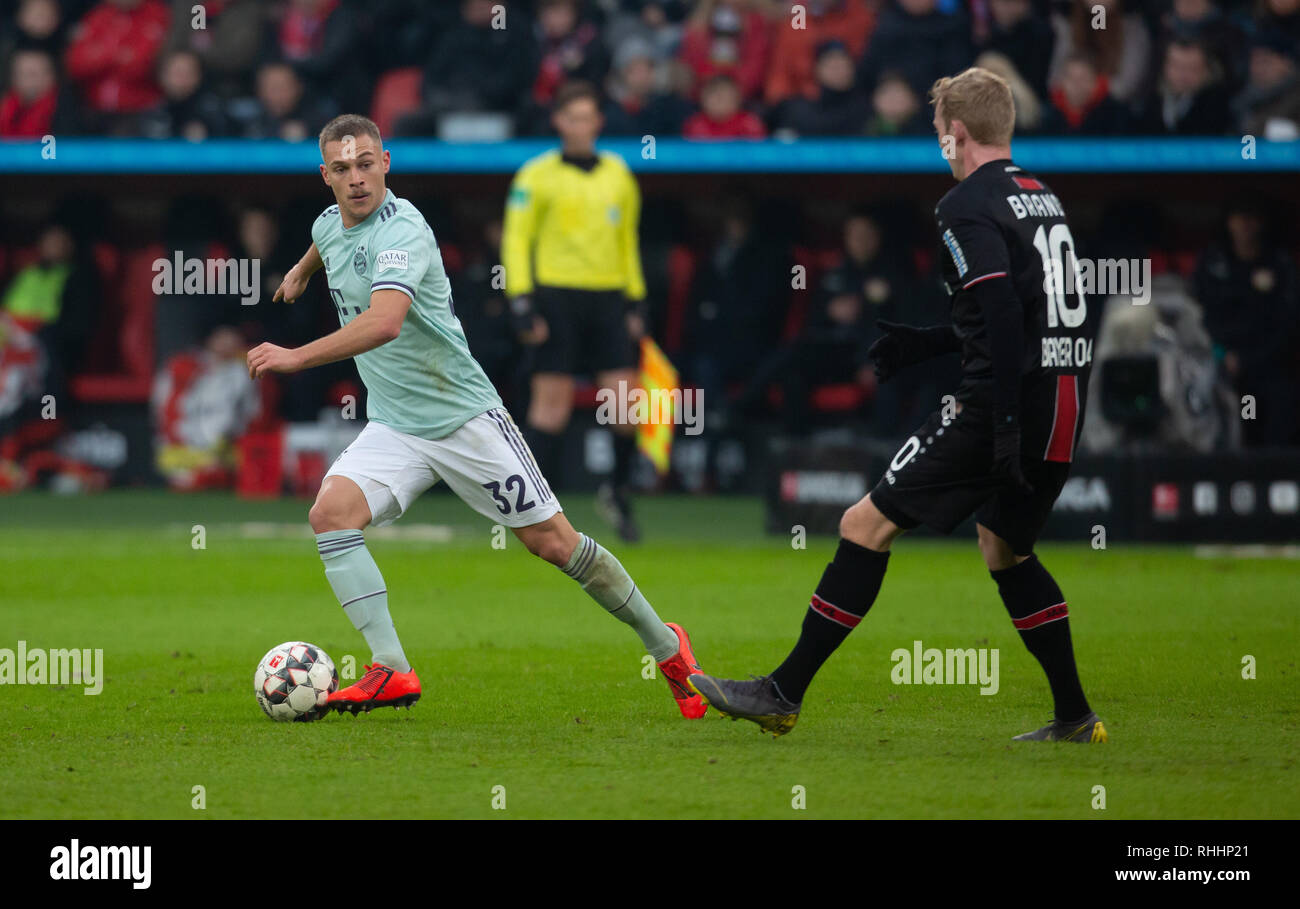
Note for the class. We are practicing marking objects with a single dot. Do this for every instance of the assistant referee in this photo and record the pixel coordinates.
(573, 276)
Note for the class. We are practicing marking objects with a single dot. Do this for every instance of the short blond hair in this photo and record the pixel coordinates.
(345, 125)
(980, 99)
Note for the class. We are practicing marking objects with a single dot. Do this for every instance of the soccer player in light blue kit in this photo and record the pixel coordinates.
(432, 415)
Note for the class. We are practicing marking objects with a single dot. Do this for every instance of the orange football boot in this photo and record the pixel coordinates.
(381, 686)
(677, 669)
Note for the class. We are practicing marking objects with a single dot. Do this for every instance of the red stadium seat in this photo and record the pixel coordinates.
(1185, 261)
(453, 258)
(127, 321)
(22, 257)
(584, 395)
(681, 275)
(396, 93)
(838, 398)
(922, 260)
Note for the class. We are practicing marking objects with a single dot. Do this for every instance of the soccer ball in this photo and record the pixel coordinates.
(294, 680)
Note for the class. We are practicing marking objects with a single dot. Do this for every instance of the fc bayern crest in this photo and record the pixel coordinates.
(359, 260)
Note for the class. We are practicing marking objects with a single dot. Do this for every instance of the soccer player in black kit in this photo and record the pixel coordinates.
(1002, 452)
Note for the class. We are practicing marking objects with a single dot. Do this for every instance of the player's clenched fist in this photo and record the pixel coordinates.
(267, 357)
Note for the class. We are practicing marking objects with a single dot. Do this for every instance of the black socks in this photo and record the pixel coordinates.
(1039, 613)
(624, 457)
(848, 588)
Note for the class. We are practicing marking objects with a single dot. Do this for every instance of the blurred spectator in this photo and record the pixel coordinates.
(1269, 105)
(319, 38)
(184, 318)
(33, 106)
(1121, 49)
(793, 55)
(570, 48)
(1025, 38)
(721, 115)
(37, 25)
(399, 33)
(188, 110)
(55, 299)
(282, 109)
(229, 43)
(657, 22)
(1032, 115)
(484, 315)
(737, 305)
(202, 401)
(475, 67)
(114, 55)
(1247, 285)
(838, 108)
(727, 36)
(1281, 15)
(1190, 99)
(1203, 21)
(258, 238)
(918, 41)
(637, 104)
(1082, 101)
(22, 385)
(832, 345)
(896, 109)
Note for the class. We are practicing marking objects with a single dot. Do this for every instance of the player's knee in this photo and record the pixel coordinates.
(997, 552)
(547, 545)
(331, 513)
(865, 525)
(321, 517)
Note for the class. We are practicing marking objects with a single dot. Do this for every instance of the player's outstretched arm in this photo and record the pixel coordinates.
(296, 278)
(379, 324)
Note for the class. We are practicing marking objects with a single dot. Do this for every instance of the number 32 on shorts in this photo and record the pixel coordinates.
(513, 482)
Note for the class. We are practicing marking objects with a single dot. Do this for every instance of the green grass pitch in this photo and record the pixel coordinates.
(530, 686)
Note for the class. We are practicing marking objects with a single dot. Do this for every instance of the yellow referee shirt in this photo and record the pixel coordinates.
(575, 228)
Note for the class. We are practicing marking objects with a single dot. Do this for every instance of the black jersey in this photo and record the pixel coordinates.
(1010, 265)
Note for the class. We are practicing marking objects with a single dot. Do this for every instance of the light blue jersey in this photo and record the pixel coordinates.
(424, 382)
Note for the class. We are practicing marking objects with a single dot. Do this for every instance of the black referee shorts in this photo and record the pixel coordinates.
(587, 331)
(943, 474)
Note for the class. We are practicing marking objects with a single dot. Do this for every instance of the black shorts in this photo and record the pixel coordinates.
(587, 331)
(943, 474)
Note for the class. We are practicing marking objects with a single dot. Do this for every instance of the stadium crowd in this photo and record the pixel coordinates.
(81, 322)
(704, 69)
